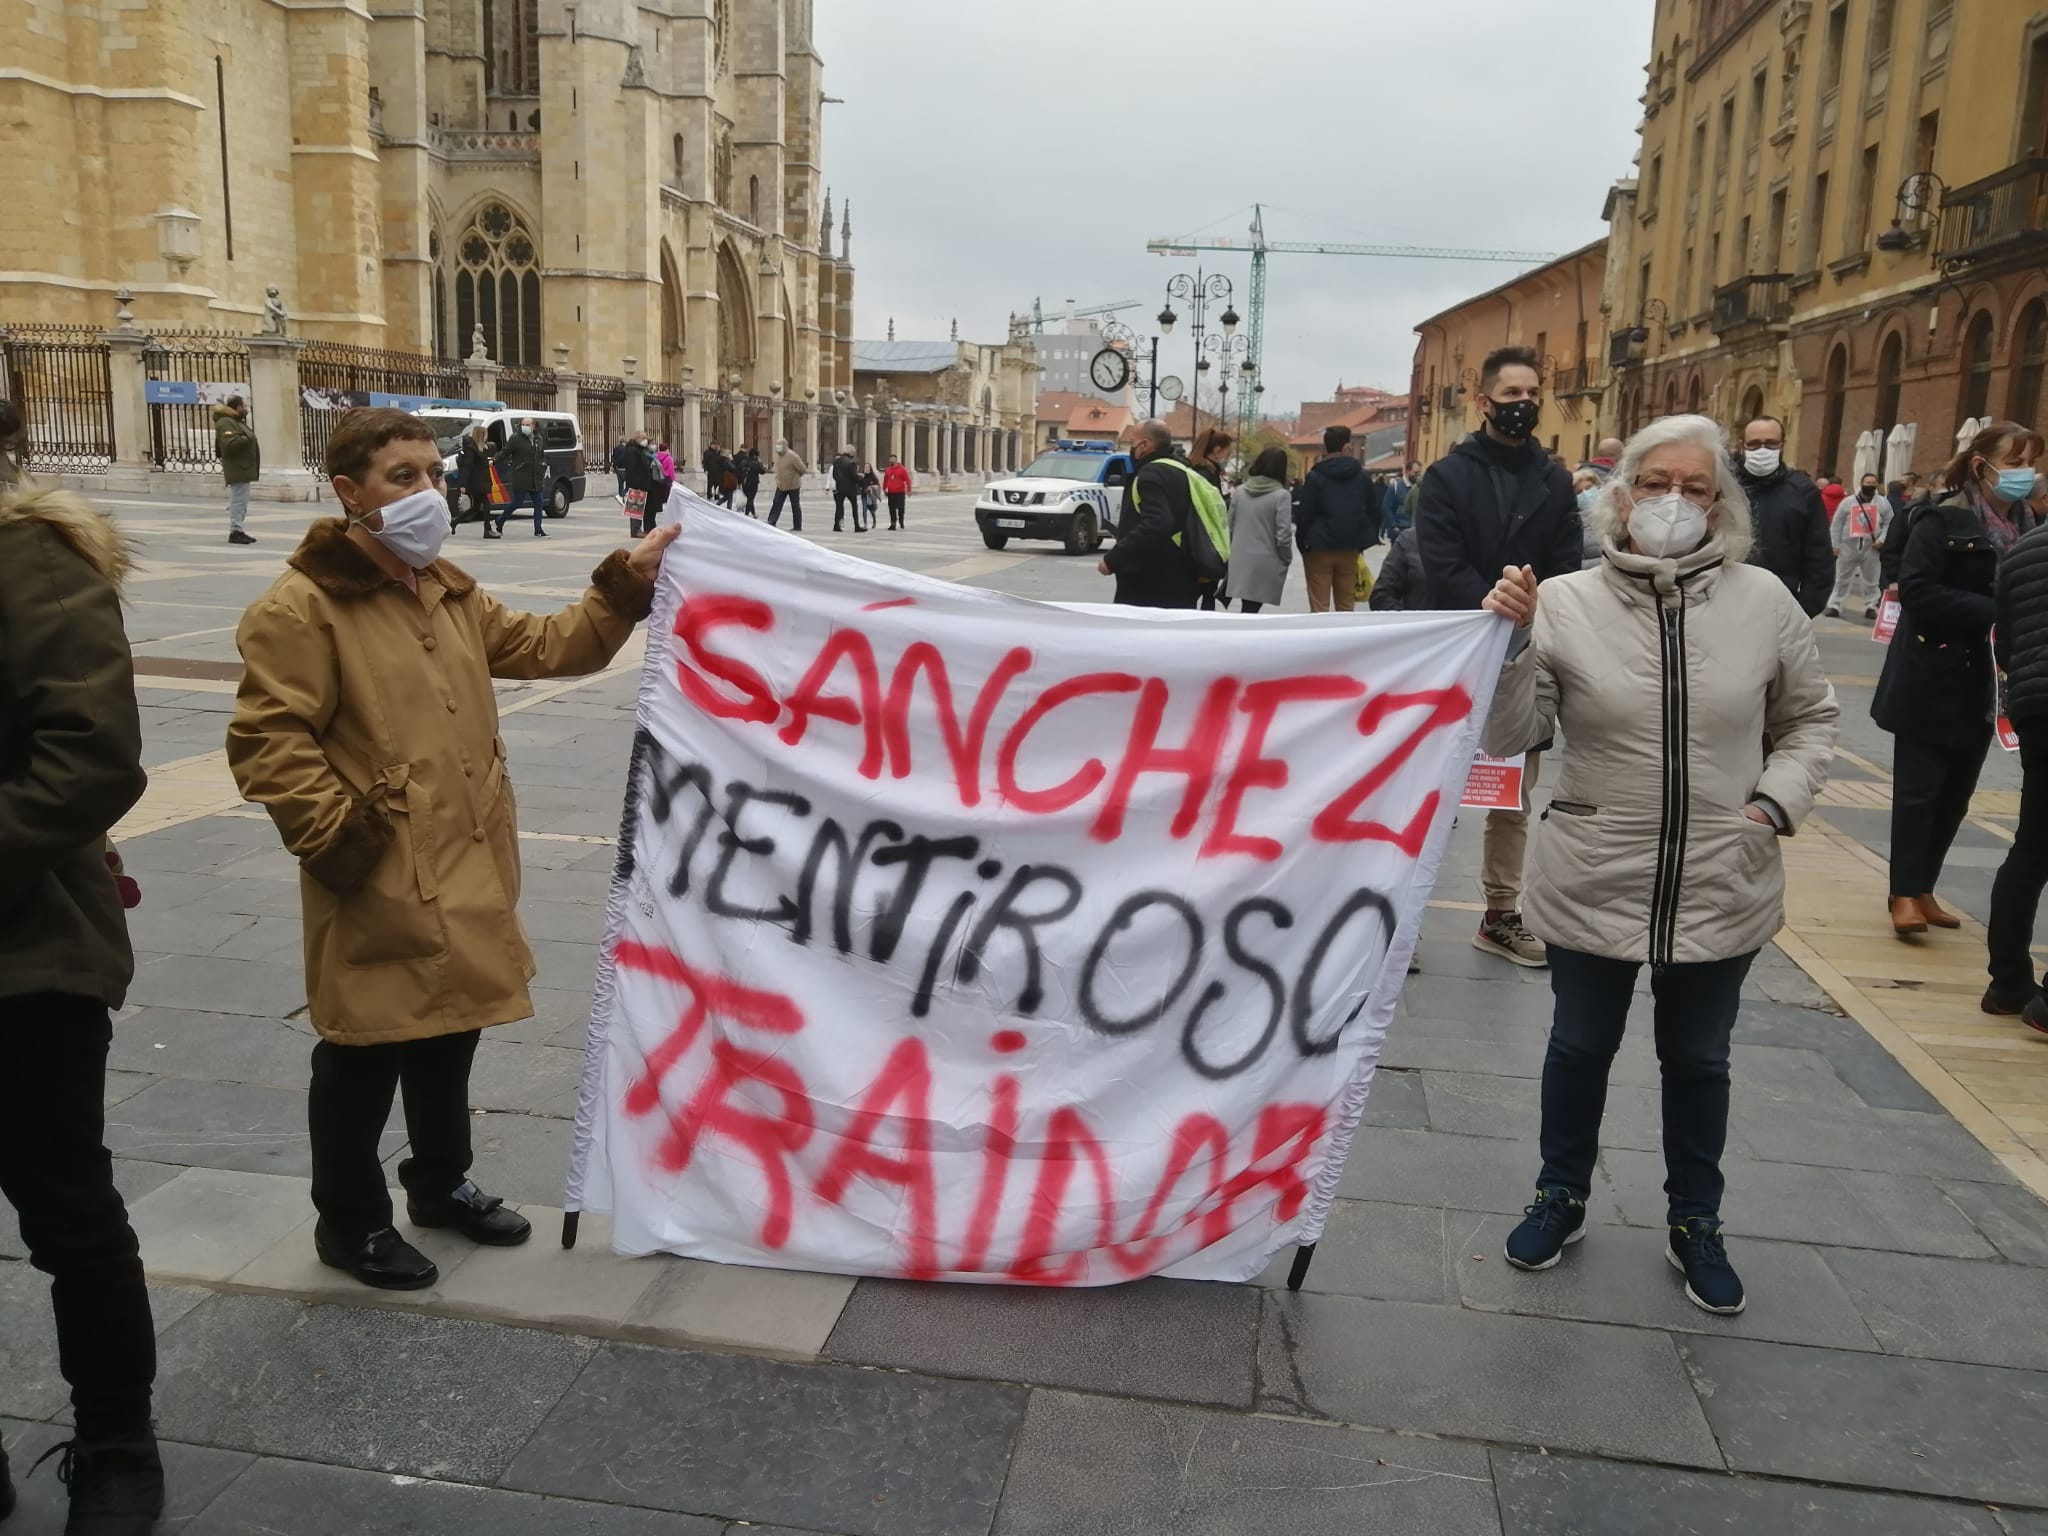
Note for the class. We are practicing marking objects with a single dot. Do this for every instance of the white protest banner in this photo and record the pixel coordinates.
(957, 936)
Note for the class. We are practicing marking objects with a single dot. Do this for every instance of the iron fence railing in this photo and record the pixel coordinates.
(59, 378)
(334, 376)
(2002, 214)
(528, 389)
(181, 432)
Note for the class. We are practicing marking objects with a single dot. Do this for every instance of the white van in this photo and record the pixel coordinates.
(561, 437)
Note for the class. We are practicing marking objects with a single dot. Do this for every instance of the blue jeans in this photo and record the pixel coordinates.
(238, 506)
(538, 497)
(1694, 1013)
(796, 509)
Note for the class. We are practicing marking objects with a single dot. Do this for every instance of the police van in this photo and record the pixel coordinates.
(561, 442)
(1071, 492)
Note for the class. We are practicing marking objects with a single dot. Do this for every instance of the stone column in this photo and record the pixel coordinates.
(867, 437)
(775, 431)
(483, 377)
(693, 433)
(566, 382)
(130, 471)
(636, 397)
(810, 447)
(274, 405)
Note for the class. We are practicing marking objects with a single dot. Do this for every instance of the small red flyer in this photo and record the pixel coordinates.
(1495, 783)
(2008, 738)
(1887, 621)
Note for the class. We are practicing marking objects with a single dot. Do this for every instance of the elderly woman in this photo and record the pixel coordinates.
(1698, 729)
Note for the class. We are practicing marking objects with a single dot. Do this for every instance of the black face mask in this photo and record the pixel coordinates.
(1515, 418)
(1865, 492)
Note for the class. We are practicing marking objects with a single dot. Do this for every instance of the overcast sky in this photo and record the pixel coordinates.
(1001, 150)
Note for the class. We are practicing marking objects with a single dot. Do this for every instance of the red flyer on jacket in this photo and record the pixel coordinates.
(1887, 621)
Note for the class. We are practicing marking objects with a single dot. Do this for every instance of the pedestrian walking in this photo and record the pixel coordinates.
(1701, 728)
(750, 477)
(716, 466)
(790, 470)
(241, 462)
(896, 487)
(1399, 586)
(403, 822)
(1935, 490)
(1496, 500)
(473, 476)
(70, 768)
(642, 476)
(1158, 558)
(1586, 483)
(870, 499)
(2020, 638)
(1261, 533)
(663, 484)
(1395, 499)
(621, 458)
(1936, 694)
(1858, 531)
(524, 469)
(1831, 494)
(845, 490)
(1335, 521)
(1788, 518)
(1211, 453)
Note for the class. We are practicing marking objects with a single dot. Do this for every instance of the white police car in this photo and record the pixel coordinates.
(1071, 492)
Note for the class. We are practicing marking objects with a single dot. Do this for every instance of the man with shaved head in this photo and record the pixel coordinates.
(1150, 559)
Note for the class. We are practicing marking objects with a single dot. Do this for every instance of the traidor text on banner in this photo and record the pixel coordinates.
(958, 936)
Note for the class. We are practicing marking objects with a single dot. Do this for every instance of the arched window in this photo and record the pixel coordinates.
(1976, 399)
(1692, 396)
(1671, 397)
(754, 201)
(1752, 406)
(1835, 397)
(1891, 362)
(497, 286)
(2029, 364)
(440, 295)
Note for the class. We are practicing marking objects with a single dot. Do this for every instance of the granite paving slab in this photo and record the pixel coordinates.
(2011, 1217)
(1373, 1248)
(1983, 1311)
(194, 1476)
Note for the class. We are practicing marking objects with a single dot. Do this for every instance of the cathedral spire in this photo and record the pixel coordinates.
(846, 232)
(825, 228)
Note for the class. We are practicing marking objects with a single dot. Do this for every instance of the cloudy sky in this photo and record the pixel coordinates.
(1001, 150)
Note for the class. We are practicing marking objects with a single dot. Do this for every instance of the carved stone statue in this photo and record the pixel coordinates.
(273, 313)
(477, 354)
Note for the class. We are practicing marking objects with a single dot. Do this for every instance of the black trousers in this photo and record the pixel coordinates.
(58, 1176)
(2016, 893)
(1931, 787)
(896, 499)
(1695, 1015)
(840, 501)
(796, 509)
(346, 1110)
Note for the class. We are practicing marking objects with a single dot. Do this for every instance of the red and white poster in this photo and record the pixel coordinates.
(2008, 738)
(1887, 621)
(1495, 783)
(957, 936)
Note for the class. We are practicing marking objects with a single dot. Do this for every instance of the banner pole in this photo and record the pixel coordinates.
(1295, 1275)
(569, 1233)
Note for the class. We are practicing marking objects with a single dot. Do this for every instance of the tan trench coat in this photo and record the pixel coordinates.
(367, 726)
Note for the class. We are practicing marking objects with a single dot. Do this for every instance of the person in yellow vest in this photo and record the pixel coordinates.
(1172, 532)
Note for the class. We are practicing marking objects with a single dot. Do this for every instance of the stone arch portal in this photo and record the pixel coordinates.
(735, 317)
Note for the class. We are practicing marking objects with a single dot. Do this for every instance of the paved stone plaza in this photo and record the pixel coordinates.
(1890, 1375)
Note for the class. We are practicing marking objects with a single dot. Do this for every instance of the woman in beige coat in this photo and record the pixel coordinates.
(367, 726)
(1698, 728)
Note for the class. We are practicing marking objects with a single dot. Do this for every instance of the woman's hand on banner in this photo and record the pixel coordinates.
(1514, 596)
(645, 560)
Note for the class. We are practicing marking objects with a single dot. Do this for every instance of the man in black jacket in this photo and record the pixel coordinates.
(1336, 520)
(1150, 559)
(1790, 520)
(1497, 500)
(845, 489)
(715, 464)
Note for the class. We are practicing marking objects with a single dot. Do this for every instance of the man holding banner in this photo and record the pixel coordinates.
(366, 724)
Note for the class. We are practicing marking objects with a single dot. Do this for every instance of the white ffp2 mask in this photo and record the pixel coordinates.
(415, 527)
(1763, 461)
(1664, 527)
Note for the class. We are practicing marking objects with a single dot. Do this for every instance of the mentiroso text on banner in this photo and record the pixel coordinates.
(962, 937)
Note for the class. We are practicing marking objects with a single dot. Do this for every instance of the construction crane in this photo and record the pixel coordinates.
(1037, 325)
(1258, 246)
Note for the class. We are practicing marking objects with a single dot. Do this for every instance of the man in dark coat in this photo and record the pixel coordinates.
(241, 462)
(1786, 510)
(70, 768)
(1336, 519)
(715, 465)
(1150, 559)
(845, 489)
(525, 471)
(1495, 500)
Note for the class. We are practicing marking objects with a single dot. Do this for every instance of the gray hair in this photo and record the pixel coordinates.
(1728, 518)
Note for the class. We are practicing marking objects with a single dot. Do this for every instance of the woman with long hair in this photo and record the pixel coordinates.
(1936, 693)
(1211, 452)
(1698, 729)
(1261, 533)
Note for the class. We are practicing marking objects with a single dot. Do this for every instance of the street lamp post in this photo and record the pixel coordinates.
(1121, 336)
(1198, 292)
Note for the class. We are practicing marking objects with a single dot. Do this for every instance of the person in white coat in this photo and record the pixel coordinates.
(1698, 729)
(1857, 534)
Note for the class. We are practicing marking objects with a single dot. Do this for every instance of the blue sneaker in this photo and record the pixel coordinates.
(1557, 1218)
(1711, 1283)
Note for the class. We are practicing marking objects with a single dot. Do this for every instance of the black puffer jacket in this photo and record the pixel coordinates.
(1464, 535)
(1792, 540)
(2022, 638)
(1150, 560)
(1399, 585)
(1937, 681)
(1337, 507)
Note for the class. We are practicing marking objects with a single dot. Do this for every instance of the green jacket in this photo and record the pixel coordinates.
(70, 747)
(241, 459)
(521, 463)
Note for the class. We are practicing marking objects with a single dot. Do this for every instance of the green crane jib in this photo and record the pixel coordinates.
(1257, 246)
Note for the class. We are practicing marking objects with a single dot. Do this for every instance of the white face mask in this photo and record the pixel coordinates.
(415, 527)
(1763, 461)
(1664, 527)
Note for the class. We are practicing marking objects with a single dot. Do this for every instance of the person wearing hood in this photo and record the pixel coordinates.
(1261, 533)
(1860, 527)
(241, 462)
(1788, 517)
(1496, 500)
(366, 724)
(1701, 729)
(1336, 520)
(70, 769)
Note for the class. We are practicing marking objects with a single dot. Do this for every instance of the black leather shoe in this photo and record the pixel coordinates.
(117, 1486)
(477, 1216)
(236, 536)
(6, 1487)
(383, 1260)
